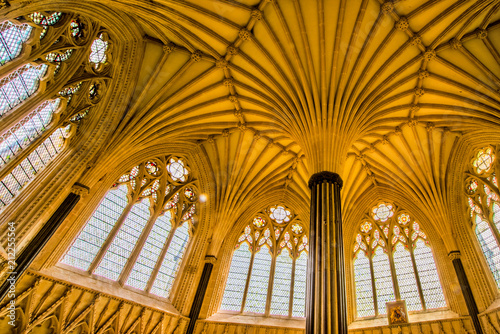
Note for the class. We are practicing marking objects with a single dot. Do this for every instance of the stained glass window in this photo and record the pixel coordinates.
(268, 269)
(27, 169)
(12, 38)
(19, 85)
(484, 206)
(134, 235)
(388, 248)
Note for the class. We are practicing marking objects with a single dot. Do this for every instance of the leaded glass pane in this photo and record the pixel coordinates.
(171, 263)
(92, 237)
(236, 280)
(120, 249)
(150, 252)
(19, 85)
(98, 51)
(363, 282)
(406, 278)
(29, 167)
(489, 247)
(299, 286)
(11, 39)
(259, 281)
(429, 279)
(383, 279)
(26, 131)
(280, 301)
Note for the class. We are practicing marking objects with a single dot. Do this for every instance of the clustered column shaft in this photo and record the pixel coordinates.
(326, 309)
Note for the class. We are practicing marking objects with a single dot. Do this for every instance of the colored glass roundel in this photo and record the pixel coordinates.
(382, 212)
(366, 227)
(259, 222)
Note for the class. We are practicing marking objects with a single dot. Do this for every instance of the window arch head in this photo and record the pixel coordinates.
(270, 255)
(393, 261)
(483, 199)
(141, 229)
(41, 129)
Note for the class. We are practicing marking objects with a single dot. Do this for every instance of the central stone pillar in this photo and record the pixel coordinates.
(326, 310)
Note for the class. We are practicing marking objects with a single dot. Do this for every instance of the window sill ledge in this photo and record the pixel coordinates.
(258, 320)
(413, 318)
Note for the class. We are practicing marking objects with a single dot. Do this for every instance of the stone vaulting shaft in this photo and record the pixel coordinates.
(326, 310)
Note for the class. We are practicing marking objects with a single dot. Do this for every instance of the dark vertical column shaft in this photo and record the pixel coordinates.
(40, 240)
(326, 309)
(200, 293)
(466, 291)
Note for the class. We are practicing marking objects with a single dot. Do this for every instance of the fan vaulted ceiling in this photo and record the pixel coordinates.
(274, 91)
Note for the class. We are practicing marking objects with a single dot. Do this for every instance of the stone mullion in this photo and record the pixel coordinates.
(393, 273)
(247, 284)
(292, 288)
(417, 277)
(271, 283)
(374, 288)
(159, 262)
(118, 224)
(139, 245)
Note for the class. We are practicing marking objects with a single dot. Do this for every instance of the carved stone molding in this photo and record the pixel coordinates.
(325, 176)
(80, 189)
(210, 259)
(454, 255)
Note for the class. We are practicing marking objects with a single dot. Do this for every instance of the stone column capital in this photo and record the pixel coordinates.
(210, 259)
(325, 176)
(454, 255)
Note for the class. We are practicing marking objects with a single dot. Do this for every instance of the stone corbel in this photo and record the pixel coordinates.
(80, 190)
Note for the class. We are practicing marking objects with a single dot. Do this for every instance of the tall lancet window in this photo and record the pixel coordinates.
(483, 194)
(37, 114)
(139, 233)
(268, 269)
(393, 261)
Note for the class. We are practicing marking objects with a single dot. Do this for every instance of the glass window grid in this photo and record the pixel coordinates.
(394, 241)
(23, 173)
(20, 85)
(482, 171)
(82, 254)
(12, 38)
(246, 273)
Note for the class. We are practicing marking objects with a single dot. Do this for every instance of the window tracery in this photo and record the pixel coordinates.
(483, 198)
(268, 268)
(141, 229)
(393, 260)
(39, 134)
